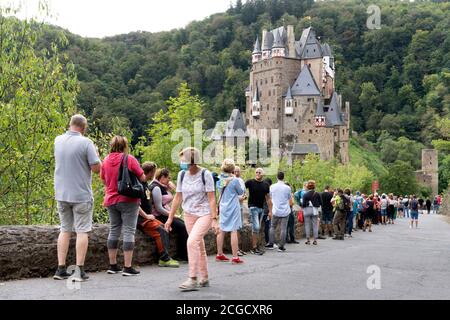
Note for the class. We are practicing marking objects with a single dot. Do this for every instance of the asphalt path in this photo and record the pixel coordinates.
(392, 262)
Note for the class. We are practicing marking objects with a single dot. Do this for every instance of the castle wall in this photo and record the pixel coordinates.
(273, 77)
(301, 128)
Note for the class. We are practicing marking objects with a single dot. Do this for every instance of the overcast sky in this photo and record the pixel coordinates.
(100, 18)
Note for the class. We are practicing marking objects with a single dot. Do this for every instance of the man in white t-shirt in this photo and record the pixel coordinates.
(281, 195)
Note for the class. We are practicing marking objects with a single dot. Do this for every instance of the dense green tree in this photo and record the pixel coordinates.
(178, 120)
(37, 96)
(399, 179)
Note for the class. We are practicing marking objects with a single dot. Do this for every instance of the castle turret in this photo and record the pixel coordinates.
(333, 113)
(267, 44)
(256, 104)
(256, 54)
(288, 103)
(278, 48)
(320, 114)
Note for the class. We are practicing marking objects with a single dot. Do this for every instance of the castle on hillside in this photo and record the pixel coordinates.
(292, 89)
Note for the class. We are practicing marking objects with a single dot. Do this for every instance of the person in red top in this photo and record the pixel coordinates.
(123, 211)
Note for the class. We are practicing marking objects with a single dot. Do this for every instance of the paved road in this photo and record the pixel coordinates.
(414, 264)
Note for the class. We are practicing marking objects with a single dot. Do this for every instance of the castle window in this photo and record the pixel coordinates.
(309, 140)
(269, 93)
(303, 131)
(309, 65)
(273, 91)
(271, 80)
(267, 107)
(335, 134)
(295, 120)
(312, 111)
(310, 99)
(296, 103)
(265, 80)
(310, 131)
(317, 131)
(260, 82)
(309, 120)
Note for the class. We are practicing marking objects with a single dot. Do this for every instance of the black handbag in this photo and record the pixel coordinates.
(127, 183)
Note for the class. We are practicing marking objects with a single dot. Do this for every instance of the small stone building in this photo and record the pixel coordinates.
(429, 175)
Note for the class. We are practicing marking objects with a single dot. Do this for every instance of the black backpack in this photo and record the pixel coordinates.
(127, 182)
(183, 173)
(414, 205)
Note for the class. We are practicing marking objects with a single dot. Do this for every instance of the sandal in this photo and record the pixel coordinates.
(308, 242)
(315, 242)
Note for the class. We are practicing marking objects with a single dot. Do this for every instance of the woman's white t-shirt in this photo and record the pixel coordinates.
(195, 197)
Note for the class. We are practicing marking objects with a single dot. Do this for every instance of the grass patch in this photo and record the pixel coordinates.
(363, 155)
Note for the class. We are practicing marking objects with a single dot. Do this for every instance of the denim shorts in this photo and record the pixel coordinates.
(255, 218)
(383, 212)
(75, 217)
(414, 215)
(327, 217)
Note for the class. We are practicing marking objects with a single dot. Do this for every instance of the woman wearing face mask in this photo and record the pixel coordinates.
(196, 194)
(162, 198)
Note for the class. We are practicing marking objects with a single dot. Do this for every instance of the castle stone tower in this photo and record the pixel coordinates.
(430, 168)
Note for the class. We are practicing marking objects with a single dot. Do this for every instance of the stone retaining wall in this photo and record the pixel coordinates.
(445, 207)
(30, 251)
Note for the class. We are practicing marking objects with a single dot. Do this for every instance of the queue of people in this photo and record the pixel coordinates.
(206, 203)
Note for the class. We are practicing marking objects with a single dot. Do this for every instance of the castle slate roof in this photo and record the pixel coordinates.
(268, 41)
(319, 110)
(257, 48)
(256, 95)
(334, 115)
(275, 38)
(326, 50)
(308, 47)
(235, 126)
(288, 94)
(278, 42)
(218, 130)
(305, 148)
(305, 85)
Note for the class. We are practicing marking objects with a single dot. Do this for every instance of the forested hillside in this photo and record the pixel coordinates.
(396, 78)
